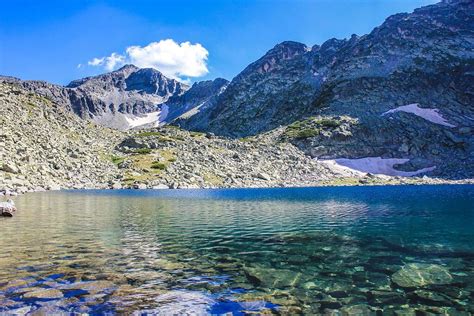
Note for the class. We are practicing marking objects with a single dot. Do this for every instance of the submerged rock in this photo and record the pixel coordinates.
(420, 274)
(44, 294)
(272, 277)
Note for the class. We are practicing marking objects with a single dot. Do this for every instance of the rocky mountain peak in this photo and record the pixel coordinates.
(284, 51)
(127, 67)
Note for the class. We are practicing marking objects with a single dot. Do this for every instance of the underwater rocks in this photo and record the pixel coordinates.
(44, 294)
(419, 275)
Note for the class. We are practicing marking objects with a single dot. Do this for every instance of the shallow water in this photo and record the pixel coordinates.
(359, 250)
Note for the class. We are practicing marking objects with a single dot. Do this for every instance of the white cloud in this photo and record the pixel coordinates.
(172, 59)
(109, 63)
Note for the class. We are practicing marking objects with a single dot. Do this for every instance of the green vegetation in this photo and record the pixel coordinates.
(328, 122)
(212, 179)
(307, 133)
(117, 159)
(142, 151)
(314, 125)
(147, 134)
(158, 165)
(197, 134)
(246, 139)
(172, 127)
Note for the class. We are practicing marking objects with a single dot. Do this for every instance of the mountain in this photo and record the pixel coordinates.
(403, 91)
(201, 96)
(122, 99)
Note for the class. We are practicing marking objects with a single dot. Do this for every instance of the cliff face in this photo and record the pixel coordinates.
(200, 97)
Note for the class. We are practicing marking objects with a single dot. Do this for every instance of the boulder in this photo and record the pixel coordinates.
(420, 274)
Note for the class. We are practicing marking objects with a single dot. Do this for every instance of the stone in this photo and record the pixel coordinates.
(44, 294)
(9, 167)
(116, 186)
(160, 187)
(420, 275)
(54, 187)
(431, 298)
(92, 286)
(360, 310)
(263, 176)
(140, 186)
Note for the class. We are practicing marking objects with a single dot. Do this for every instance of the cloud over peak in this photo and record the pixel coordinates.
(178, 61)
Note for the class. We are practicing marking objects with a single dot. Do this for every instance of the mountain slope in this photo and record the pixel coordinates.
(292, 80)
(125, 98)
(201, 96)
(44, 146)
(421, 61)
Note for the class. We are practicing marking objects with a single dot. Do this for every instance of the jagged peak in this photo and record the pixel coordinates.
(455, 2)
(290, 44)
(128, 67)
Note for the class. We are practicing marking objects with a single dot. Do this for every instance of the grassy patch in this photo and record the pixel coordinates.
(307, 133)
(117, 159)
(142, 151)
(197, 134)
(172, 127)
(147, 134)
(314, 125)
(328, 122)
(158, 165)
(246, 139)
(212, 179)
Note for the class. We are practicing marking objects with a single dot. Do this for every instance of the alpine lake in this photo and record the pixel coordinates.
(380, 250)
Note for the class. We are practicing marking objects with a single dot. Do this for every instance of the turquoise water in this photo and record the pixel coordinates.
(349, 250)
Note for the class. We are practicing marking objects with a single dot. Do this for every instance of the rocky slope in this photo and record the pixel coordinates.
(407, 84)
(43, 146)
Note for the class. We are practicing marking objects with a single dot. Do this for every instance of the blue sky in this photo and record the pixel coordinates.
(47, 40)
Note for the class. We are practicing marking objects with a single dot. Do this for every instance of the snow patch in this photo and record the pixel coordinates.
(148, 118)
(374, 165)
(124, 122)
(431, 115)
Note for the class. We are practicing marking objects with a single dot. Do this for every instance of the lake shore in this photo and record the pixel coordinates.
(368, 180)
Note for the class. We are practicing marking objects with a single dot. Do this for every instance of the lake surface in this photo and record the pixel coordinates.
(358, 250)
